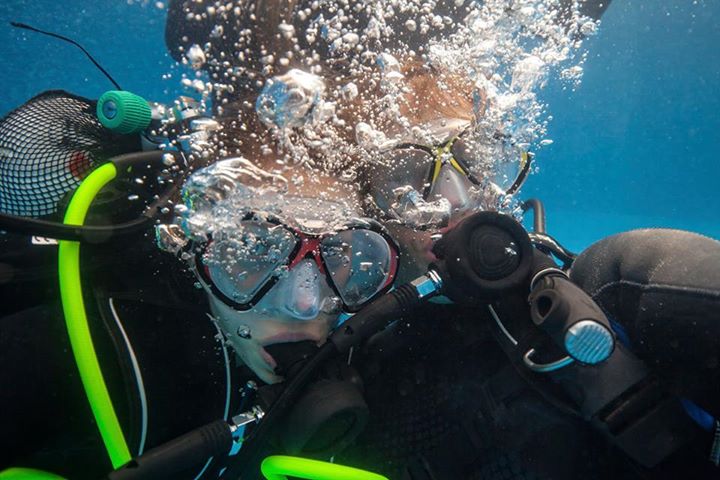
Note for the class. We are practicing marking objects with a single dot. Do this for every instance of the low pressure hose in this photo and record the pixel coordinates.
(538, 209)
(27, 474)
(94, 234)
(277, 467)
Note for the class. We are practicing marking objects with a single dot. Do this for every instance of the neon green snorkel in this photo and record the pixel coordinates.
(74, 306)
(76, 318)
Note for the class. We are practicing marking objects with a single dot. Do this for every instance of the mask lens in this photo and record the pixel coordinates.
(506, 172)
(466, 151)
(359, 262)
(240, 265)
(505, 169)
(403, 167)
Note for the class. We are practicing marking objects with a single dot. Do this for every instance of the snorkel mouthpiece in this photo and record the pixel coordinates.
(483, 257)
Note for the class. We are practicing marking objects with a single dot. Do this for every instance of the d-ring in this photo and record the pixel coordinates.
(545, 367)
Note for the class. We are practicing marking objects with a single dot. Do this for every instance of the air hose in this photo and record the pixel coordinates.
(74, 306)
(358, 328)
(99, 233)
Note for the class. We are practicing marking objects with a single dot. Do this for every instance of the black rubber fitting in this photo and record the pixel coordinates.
(483, 257)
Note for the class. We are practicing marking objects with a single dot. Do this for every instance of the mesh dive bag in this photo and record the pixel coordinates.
(47, 146)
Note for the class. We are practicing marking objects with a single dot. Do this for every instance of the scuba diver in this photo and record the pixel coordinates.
(448, 391)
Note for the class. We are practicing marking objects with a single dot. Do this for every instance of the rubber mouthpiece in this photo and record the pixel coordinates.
(484, 256)
(123, 112)
(291, 354)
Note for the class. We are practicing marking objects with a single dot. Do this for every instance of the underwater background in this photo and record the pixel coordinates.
(634, 145)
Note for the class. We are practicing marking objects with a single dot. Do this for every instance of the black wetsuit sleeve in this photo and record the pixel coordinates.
(45, 416)
(663, 287)
(594, 8)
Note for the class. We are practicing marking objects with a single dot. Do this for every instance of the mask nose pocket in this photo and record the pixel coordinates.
(301, 290)
(453, 186)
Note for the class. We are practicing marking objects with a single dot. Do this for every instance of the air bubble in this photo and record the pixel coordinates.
(196, 57)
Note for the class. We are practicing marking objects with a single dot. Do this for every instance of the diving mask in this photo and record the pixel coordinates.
(359, 262)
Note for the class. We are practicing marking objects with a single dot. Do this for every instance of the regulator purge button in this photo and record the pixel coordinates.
(589, 342)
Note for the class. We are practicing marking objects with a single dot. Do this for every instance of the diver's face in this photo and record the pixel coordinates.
(299, 307)
(263, 255)
(286, 276)
(427, 191)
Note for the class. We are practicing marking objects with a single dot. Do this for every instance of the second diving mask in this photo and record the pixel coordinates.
(423, 185)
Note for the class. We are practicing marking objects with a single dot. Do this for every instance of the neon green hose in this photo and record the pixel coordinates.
(277, 467)
(76, 319)
(27, 474)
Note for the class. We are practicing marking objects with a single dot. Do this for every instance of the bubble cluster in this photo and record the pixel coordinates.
(304, 89)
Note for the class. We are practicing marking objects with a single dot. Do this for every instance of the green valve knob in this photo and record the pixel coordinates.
(123, 112)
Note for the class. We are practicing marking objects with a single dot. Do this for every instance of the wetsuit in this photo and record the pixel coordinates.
(447, 402)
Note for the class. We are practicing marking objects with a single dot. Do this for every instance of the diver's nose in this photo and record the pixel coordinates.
(302, 292)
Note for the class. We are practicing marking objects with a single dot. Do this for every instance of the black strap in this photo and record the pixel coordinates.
(619, 398)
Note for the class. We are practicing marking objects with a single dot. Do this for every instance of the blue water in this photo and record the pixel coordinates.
(634, 145)
(126, 39)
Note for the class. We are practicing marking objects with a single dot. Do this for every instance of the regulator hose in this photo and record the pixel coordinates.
(358, 328)
(276, 467)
